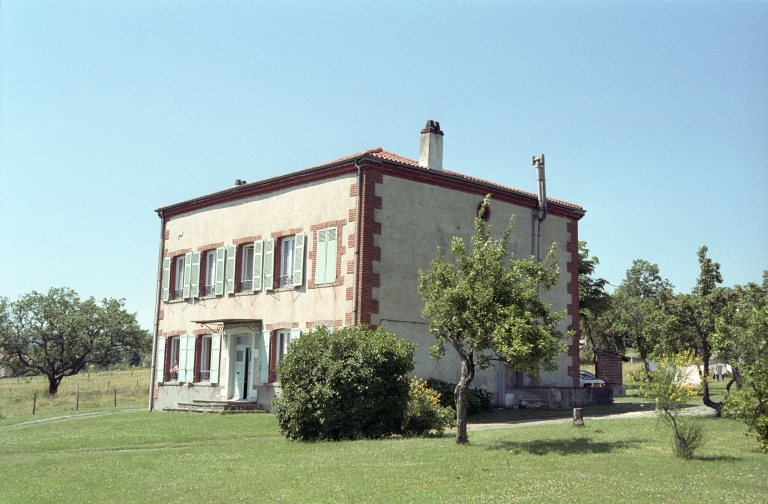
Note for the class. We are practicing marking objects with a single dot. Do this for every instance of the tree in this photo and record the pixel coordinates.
(57, 334)
(594, 303)
(696, 314)
(485, 304)
(750, 405)
(640, 307)
(734, 339)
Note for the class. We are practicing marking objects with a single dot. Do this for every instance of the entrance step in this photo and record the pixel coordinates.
(222, 407)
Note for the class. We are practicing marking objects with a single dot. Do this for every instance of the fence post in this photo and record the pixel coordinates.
(77, 402)
(34, 403)
(115, 398)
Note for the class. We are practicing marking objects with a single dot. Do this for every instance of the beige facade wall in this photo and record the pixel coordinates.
(415, 219)
(299, 207)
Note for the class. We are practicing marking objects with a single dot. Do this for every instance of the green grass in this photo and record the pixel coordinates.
(96, 394)
(155, 457)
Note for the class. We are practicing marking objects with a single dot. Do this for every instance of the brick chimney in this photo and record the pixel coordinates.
(431, 153)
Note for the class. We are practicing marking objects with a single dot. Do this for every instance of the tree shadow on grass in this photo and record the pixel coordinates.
(575, 446)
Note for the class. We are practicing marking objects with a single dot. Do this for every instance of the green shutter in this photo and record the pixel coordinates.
(264, 356)
(182, 359)
(194, 284)
(215, 357)
(295, 335)
(190, 358)
(269, 263)
(330, 259)
(258, 252)
(231, 253)
(221, 254)
(298, 260)
(166, 278)
(160, 362)
(187, 273)
(320, 254)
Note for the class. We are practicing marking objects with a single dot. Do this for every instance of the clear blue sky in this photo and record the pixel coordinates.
(652, 115)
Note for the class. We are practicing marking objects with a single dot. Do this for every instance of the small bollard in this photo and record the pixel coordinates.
(578, 417)
(34, 403)
(115, 398)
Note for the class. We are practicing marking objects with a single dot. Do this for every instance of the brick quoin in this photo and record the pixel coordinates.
(366, 305)
(572, 227)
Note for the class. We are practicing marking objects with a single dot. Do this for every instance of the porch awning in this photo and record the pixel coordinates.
(218, 325)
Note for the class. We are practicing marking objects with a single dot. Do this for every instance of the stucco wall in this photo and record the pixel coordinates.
(294, 208)
(415, 219)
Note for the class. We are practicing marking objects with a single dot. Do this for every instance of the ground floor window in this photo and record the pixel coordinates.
(205, 359)
(173, 359)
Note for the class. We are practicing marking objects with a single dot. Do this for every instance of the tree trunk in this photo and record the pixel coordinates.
(467, 374)
(718, 407)
(53, 385)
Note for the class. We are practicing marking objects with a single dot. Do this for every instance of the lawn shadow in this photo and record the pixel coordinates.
(717, 458)
(576, 446)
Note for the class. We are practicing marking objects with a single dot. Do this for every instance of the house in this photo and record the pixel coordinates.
(244, 271)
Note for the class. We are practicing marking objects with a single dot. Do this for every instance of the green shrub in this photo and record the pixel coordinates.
(348, 384)
(424, 413)
(478, 399)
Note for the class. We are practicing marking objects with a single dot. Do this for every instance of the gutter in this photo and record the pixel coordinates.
(158, 295)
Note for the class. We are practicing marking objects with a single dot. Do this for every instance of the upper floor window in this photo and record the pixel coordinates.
(325, 256)
(178, 284)
(209, 286)
(288, 245)
(246, 274)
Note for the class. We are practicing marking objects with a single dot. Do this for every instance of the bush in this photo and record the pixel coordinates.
(348, 384)
(669, 389)
(478, 399)
(424, 413)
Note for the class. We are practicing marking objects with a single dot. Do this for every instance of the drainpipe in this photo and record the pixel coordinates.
(357, 239)
(540, 213)
(158, 295)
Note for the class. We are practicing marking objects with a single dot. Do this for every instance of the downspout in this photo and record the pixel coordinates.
(359, 218)
(158, 294)
(540, 213)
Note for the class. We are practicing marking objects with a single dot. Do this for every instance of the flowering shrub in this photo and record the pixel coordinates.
(668, 387)
(424, 413)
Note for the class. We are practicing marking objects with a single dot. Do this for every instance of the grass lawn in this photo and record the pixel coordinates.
(156, 457)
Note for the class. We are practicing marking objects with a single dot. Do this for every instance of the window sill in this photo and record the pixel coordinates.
(324, 285)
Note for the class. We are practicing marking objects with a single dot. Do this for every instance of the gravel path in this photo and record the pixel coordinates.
(695, 411)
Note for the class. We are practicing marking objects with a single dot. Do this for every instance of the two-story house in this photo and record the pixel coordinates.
(246, 270)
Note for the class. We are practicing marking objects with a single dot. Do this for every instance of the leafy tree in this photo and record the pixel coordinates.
(594, 304)
(639, 308)
(734, 339)
(57, 334)
(348, 384)
(750, 405)
(485, 304)
(696, 314)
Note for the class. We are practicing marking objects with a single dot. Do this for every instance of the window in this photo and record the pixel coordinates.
(205, 359)
(325, 256)
(209, 286)
(286, 261)
(283, 339)
(246, 274)
(173, 359)
(178, 284)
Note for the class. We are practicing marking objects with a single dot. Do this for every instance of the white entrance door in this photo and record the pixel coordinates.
(240, 360)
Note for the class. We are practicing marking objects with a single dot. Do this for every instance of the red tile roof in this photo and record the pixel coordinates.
(386, 156)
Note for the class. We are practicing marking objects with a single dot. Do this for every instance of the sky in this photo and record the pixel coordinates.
(653, 116)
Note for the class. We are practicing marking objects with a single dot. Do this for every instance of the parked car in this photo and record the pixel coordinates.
(587, 379)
